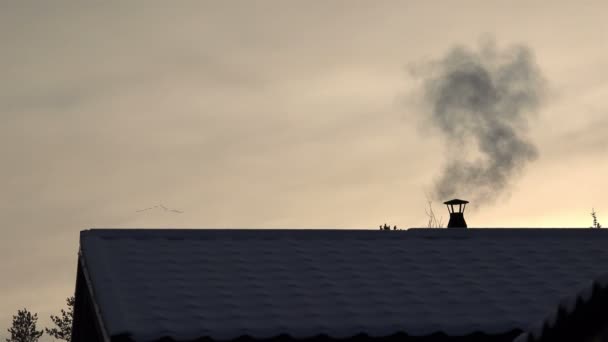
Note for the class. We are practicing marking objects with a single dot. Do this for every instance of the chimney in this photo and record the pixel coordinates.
(456, 214)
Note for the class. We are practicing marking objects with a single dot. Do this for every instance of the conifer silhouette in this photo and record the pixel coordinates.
(24, 327)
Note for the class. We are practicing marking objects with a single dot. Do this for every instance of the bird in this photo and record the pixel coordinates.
(137, 211)
(162, 207)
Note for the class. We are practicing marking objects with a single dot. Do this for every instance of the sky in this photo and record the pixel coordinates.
(272, 114)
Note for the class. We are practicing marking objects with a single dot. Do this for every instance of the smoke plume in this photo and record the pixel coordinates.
(480, 101)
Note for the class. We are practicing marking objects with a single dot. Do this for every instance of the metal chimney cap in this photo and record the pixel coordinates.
(456, 201)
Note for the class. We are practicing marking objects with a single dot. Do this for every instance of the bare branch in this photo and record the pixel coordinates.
(433, 222)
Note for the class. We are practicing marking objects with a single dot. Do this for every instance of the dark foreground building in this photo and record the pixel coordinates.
(342, 285)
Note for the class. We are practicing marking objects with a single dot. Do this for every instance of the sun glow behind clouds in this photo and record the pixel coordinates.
(264, 115)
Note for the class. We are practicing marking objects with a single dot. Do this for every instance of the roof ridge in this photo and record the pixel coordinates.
(373, 234)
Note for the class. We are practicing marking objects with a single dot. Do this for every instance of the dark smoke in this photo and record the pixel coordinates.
(480, 102)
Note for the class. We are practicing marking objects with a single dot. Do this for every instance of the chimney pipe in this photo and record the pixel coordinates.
(456, 214)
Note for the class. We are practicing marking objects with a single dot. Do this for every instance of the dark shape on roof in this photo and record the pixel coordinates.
(348, 285)
(456, 214)
(456, 201)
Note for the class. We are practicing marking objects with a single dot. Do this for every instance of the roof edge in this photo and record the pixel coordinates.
(89, 285)
(256, 233)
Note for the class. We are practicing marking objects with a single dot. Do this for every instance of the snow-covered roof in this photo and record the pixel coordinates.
(569, 306)
(222, 284)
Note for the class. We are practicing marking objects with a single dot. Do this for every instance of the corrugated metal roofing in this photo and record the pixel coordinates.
(549, 329)
(187, 284)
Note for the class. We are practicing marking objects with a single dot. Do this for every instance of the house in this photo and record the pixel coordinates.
(150, 285)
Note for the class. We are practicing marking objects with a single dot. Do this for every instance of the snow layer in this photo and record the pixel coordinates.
(187, 284)
(568, 304)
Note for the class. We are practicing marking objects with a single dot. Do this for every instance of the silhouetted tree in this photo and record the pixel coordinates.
(596, 224)
(63, 328)
(24, 327)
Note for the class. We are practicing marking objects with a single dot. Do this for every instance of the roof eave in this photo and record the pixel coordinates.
(87, 278)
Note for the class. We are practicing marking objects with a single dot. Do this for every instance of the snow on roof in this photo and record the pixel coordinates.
(187, 284)
(568, 304)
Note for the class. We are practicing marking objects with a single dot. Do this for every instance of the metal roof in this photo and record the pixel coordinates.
(223, 284)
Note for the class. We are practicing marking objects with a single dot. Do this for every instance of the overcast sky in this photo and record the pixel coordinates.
(268, 114)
